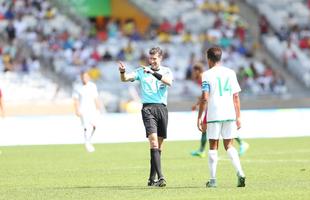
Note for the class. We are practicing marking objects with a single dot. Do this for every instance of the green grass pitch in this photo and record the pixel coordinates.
(275, 168)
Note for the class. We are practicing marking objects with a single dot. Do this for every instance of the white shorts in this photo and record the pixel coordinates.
(89, 119)
(226, 130)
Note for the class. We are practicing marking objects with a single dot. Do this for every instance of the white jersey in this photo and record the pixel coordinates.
(86, 95)
(221, 83)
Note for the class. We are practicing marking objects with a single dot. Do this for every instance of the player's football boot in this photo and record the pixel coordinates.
(89, 147)
(161, 183)
(243, 148)
(211, 183)
(151, 182)
(241, 181)
(198, 153)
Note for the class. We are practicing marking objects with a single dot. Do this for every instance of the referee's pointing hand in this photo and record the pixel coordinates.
(121, 67)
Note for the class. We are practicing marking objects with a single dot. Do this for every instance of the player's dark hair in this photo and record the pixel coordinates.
(156, 50)
(198, 66)
(214, 54)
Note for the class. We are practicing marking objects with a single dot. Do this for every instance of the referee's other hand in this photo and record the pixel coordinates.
(121, 67)
(148, 70)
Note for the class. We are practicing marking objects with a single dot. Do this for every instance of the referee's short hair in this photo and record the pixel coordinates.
(214, 54)
(156, 50)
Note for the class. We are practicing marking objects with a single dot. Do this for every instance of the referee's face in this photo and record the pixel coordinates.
(155, 60)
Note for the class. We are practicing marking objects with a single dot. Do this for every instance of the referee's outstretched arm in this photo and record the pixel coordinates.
(124, 76)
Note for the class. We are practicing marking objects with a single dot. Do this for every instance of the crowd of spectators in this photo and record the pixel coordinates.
(22, 24)
(285, 31)
(50, 35)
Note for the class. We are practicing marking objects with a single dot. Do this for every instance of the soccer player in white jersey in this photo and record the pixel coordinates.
(86, 104)
(220, 90)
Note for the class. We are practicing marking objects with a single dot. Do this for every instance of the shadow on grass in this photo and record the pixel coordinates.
(111, 187)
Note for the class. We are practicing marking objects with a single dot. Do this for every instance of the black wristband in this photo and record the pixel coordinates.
(122, 72)
(157, 75)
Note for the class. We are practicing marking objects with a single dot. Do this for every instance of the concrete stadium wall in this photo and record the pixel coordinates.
(117, 128)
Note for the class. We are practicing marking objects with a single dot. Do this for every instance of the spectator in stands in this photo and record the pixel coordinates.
(304, 43)
(240, 31)
(295, 34)
(9, 14)
(129, 50)
(34, 64)
(102, 34)
(164, 37)
(179, 26)
(233, 8)
(291, 21)
(278, 85)
(20, 26)
(253, 70)
(112, 29)
(225, 41)
(121, 54)
(129, 27)
(7, 62)
(135, 36)
(24, 66)
(187, 37)
(107, 56)
(283, 34)
(143, 59)
(165, 26)
(266, 79)
(289, 53)
(263, 25)
(95, 55)
(11, 31)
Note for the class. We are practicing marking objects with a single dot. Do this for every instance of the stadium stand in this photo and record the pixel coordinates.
(288, 39)
(40, 36)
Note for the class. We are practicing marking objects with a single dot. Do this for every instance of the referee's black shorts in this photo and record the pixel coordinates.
(155, 119)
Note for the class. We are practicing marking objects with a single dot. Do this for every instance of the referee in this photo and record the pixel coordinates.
(154, 81)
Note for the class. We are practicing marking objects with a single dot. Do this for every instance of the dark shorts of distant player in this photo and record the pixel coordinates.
(155, 119)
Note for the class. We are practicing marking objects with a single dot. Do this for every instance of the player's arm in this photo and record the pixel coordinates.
(237, 109)
(125, 77)
(76, 104)
(97, 103)
(202, 107)
(205, 87)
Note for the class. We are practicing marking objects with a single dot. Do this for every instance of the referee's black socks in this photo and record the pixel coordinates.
(155, 156)
(152, 168)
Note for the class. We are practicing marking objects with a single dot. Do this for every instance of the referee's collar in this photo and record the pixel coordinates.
(156, 70)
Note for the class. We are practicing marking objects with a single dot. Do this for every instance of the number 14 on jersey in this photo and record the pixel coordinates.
(226, 88)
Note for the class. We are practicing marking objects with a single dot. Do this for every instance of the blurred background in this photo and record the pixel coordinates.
(45, 44)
